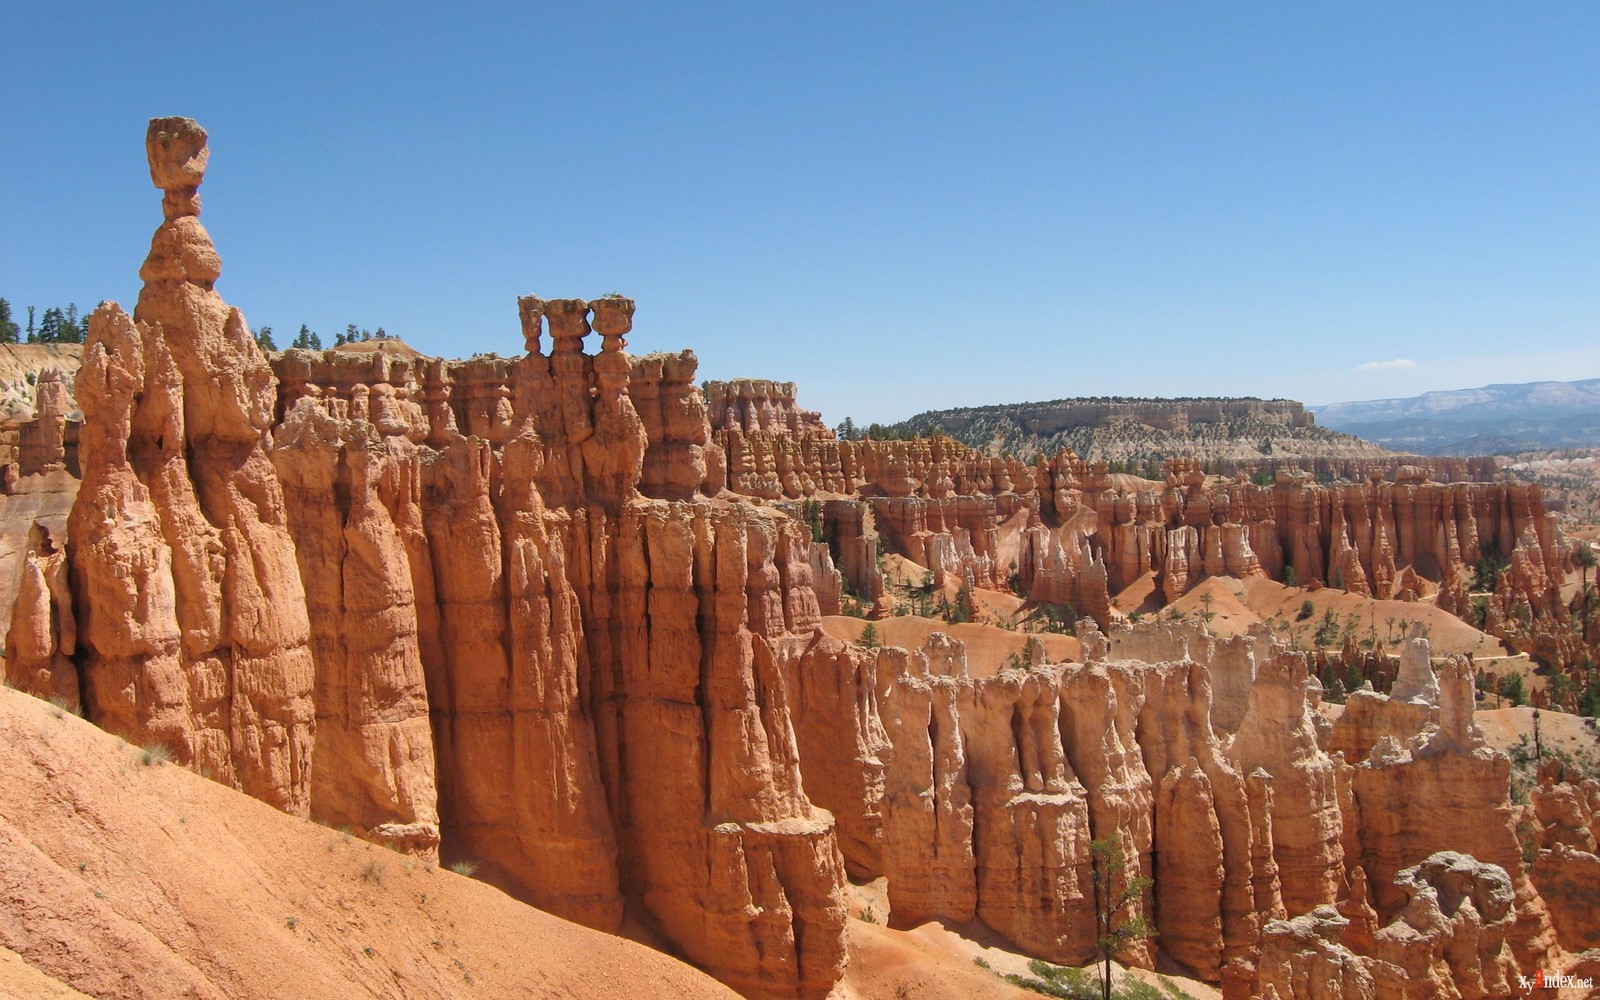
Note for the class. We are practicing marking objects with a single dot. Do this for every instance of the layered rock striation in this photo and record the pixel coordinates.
(981, 797)
(482, 608)
(528, 612)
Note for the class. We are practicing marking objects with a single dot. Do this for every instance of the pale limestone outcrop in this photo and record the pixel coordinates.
(48, 442)
(1566, 869)
(1411, 706)
(1448, 939)
(1450, 936)
(1302, 958)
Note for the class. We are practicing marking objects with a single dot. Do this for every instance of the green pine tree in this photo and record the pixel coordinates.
(9, 331)
(1114, 931)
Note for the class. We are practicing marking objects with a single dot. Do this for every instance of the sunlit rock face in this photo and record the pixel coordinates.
(559, 615)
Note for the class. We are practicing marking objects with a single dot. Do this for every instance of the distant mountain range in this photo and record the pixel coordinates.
(1493, 419)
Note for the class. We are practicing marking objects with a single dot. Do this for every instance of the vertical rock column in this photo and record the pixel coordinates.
(520, 789)
(43, 633)
(373, 769)
(927, 800)
(695, 742)
(1277, 736)
(187, 406)
(1030, 817)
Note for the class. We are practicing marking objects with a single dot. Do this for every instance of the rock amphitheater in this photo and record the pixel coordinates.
(574, 618)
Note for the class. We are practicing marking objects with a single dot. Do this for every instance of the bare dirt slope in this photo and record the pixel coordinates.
(120, 880)
(1571, 734)
(21, 981)
(1236, 604)
(987, 645)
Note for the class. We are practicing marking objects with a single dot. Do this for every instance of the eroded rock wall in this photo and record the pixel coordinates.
(411, 598)
(515, 610)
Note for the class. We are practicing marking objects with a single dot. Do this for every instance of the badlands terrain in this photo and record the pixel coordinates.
(562, 675)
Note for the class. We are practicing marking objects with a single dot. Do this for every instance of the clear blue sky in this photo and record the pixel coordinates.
(901, 208)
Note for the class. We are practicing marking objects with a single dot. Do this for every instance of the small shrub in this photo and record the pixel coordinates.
(1328, 632)
(1306, 610)
(1055, 981)
(464, 867)
(372, 871)
(152, 754)
(1512, 689)
(868, 917)
(1486, 574)
(292, 923)
(869, 637)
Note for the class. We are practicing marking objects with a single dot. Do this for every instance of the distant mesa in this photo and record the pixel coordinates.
(1133, 430)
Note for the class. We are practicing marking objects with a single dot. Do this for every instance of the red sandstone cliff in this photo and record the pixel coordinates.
(519, 611)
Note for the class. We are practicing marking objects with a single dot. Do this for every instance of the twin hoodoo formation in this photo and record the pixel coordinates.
(554, 615)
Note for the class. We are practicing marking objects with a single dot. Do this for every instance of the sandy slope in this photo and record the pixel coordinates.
(125, 880)
(987, 645)
(1572, 734)
(21, 981)
(1236, 604)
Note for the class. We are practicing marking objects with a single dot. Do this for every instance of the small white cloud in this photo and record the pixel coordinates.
(1384, 366)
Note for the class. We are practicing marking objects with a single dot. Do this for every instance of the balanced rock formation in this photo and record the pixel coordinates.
(559, 615)
(408, 598)
(195, 630)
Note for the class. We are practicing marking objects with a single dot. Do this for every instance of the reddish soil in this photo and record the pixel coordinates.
(122, 880)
